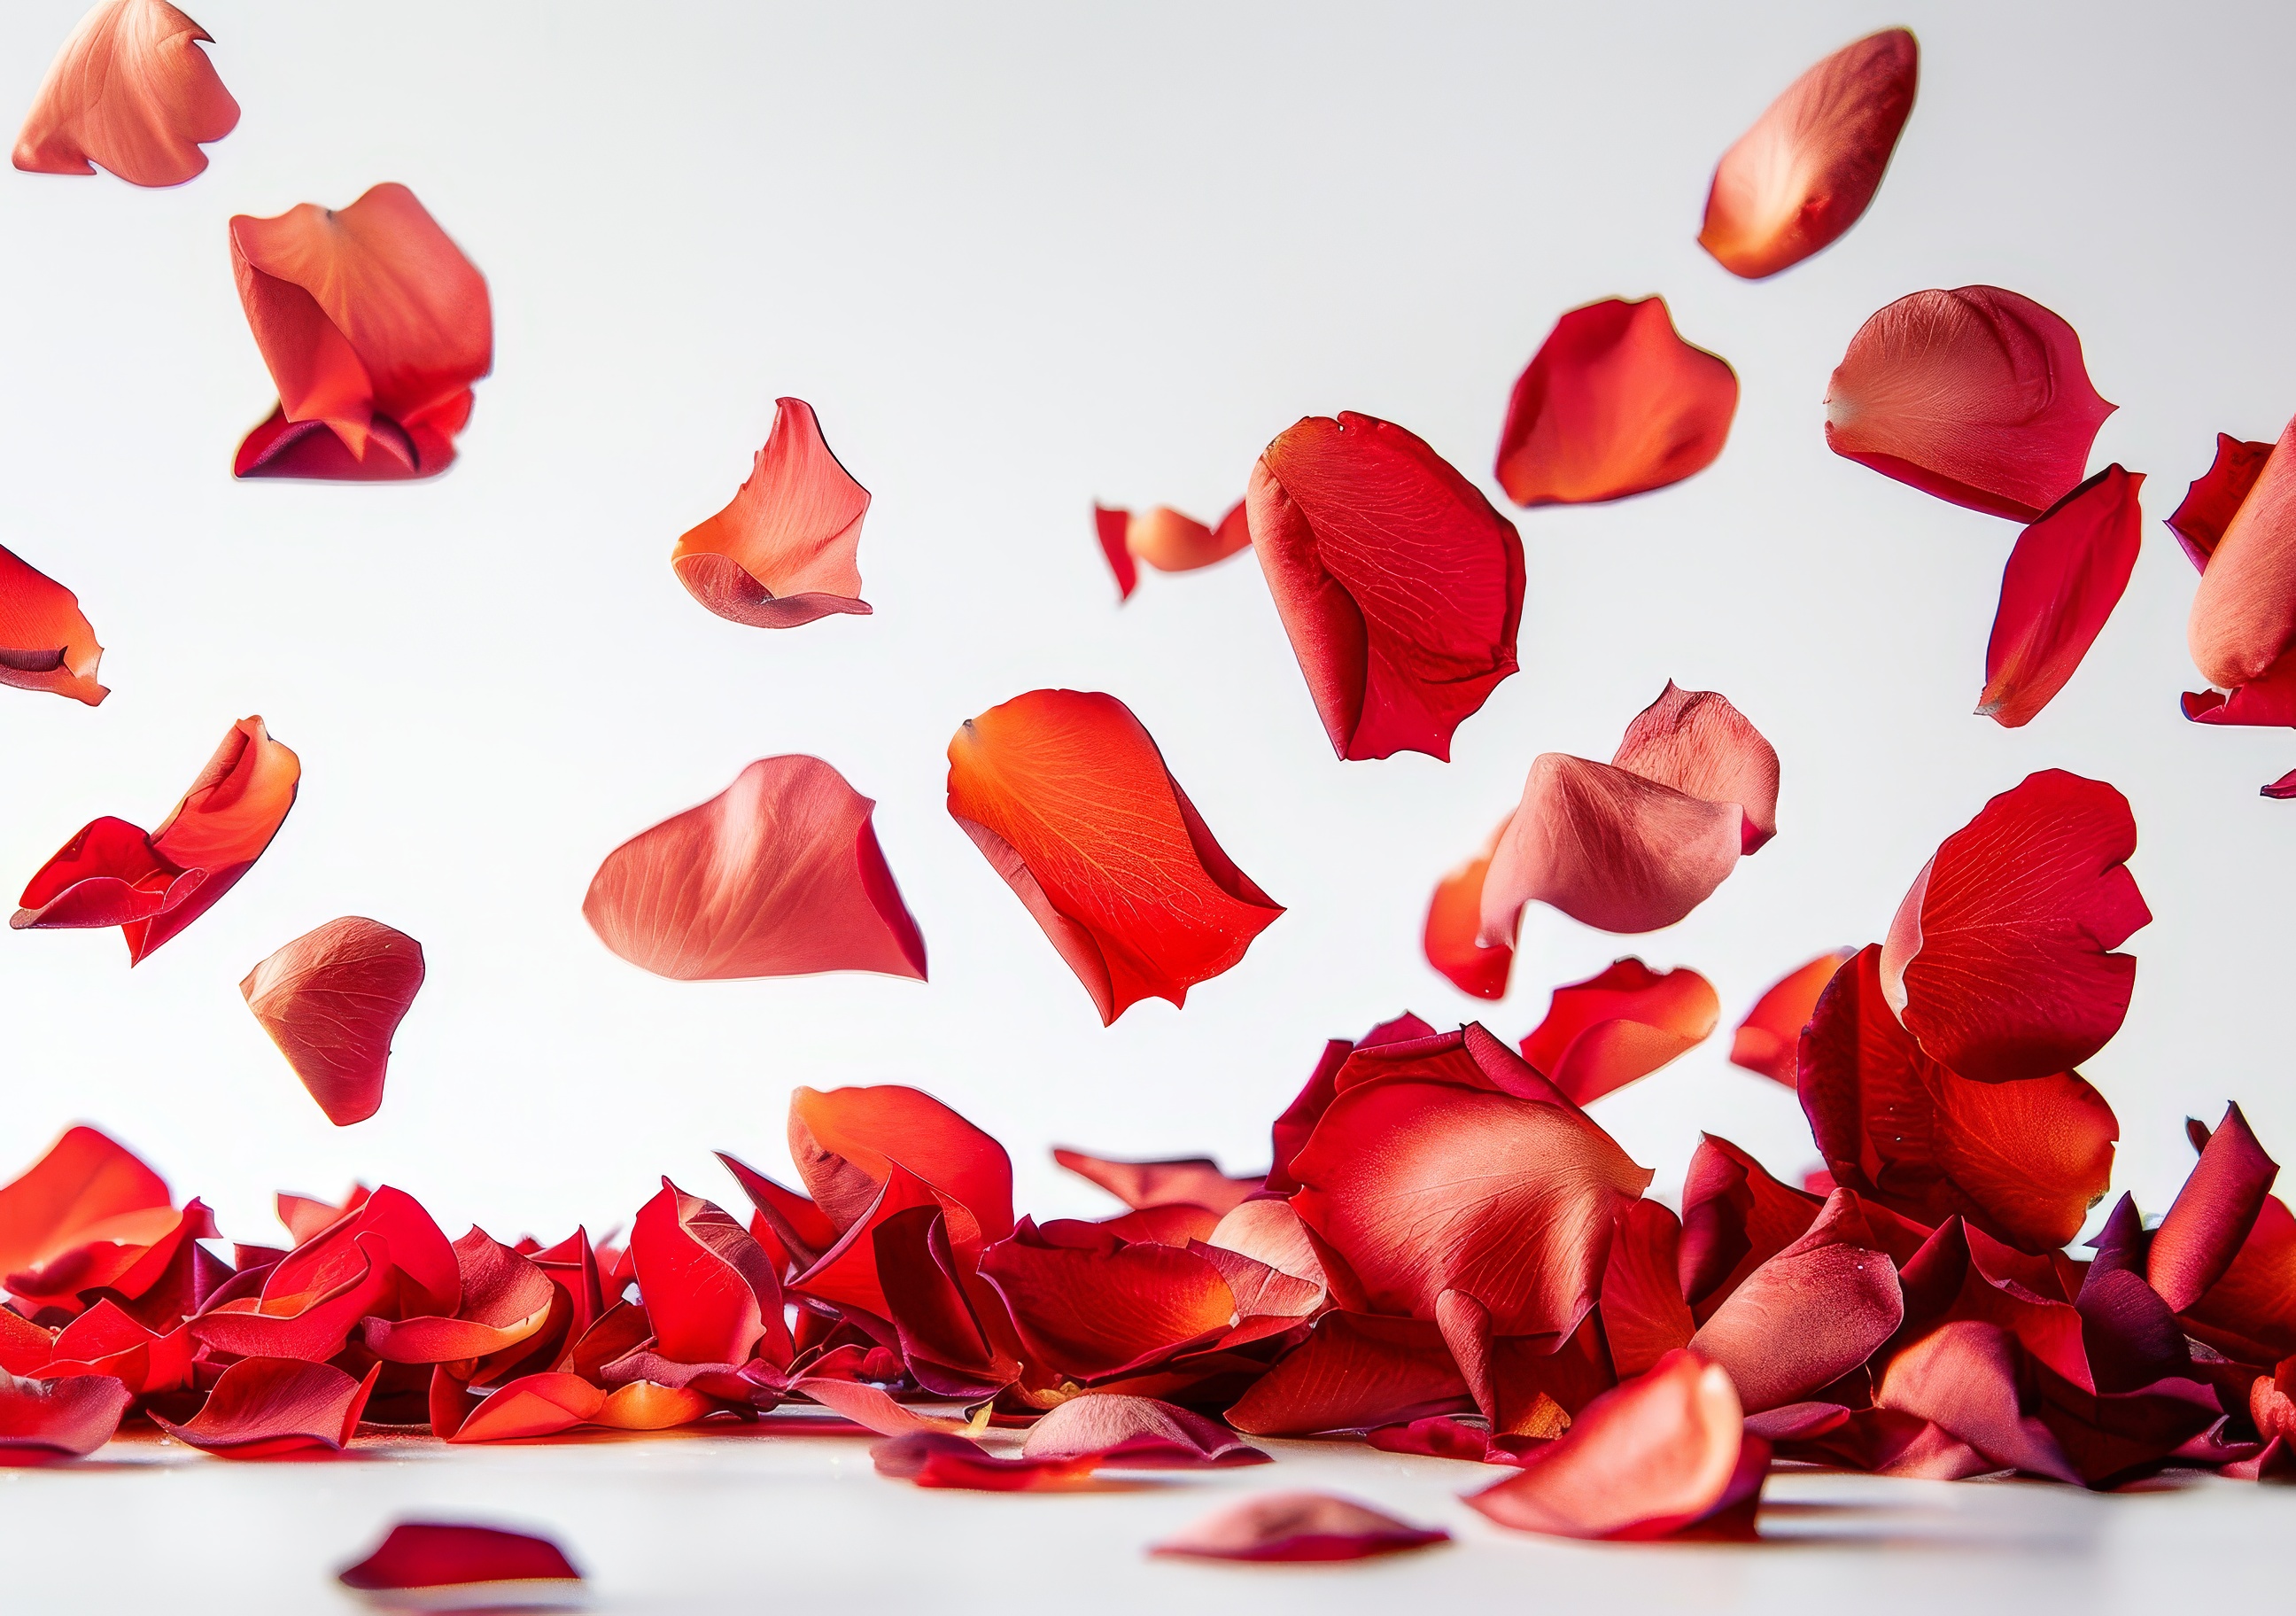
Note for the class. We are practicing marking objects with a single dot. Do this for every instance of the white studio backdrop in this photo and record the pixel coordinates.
(1019, 257)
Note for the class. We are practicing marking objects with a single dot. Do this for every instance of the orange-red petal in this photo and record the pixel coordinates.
(263, 1406)
(506, 1298)
(130, 92)
(1809, 168)
(1400, 587)
(2000, 958)
(846, 1141)
(1192, 1181)
(1068, 798)
(1455, 920)
(1769, 1039)
(2064, 579)
(779, 875)
(1622, 1023)
(85, 1188)
(45, 642)
(1297, 1527)
(1645, 1315)
(1977, 396)
(330, 1000)
(1089, 1304)
(782, 553)
(2243, 617)
(1615, 403)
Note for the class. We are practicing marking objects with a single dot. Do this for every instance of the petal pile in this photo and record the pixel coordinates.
(330, 1000)
(1623, 1023)
(1164, 539)
(1399, 585)
(779, 875)
(154, 884)
(1809, 166)
(373, 326)
(1977, 396)
(1637, 843)
(1615, 403)
(781, 554)
(45, 642)
(1067, 796)
(130, 92)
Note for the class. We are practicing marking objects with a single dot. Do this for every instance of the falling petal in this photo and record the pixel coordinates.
(45, 642)
(2064, 579)
(2243, 615)
(1618, 1025)
(2215, 496)
(130, 92)
(782, 553)
(440, 1565)
(1455, 919)
(332, 1000)
(1769, 1038)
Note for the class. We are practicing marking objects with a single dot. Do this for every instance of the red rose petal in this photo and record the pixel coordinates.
(2212, 1216)
(1087, 1304)
(263, 1406)
(1999, 959)
(1193, 1181)
(532, 1406)
(2023, 1160)
(1658, 1454)
(2249, 1314)
(1809, 166)
(846, 1142)
(67, 1418)
(45, 642)
(131, 91)
(1270, 1232)
(1615, 403)
(2215, 496)
(779, 875)
(713, 1296)
(1068, 798)
(1769, 1039)
(330, 1000)
(936, 1459)
(1355, 1371)
(2268, 702)
(1644, 1315)
(373, 326)
(874, 1408)
(2243, 616)
(1809, 1315)
(1166, 540)
(2064, 579)
(1621, 1024)
(1113, 527)
(84, 1189)
(1963, 1377)
(505, 1299)
(465, 1567)
(1135, 1434)
(1400, 587)
(1455, 920)
(782, 553)
(929, 1292)
(1734, 1217)
(1694, 742)
(1977, 396)
(1298, 1526)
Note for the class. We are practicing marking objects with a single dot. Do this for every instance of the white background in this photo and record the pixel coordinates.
(1019, 257)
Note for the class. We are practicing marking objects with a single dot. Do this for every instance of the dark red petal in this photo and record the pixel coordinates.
(1977, 396)
(2064, 579)
(372, 323)
(1455, 920)
(438, 1555)
(2250, 1313)
(505, 1299)
(45, 642)
(1735, 1216)
(1808, 1315)
(1623, 1023)
(2212, 1215)
(2023, 1160)
(263, 1406)
(1298, 1526)
(1399, 585)
(1068, 798)
(1999, 960)
(70, 1418)
(1088, 1304)
(941, 1337)
(1193, 1181)
(131, 91)
(782, 553)
(1963, 1377)
(1809, 168)
(1644, 1315)
(1769, 1039)
(332, 1000)
(2214, 496)
(709, 1290)
(1655, 1456)
(1135, 1434)
(937, 1459)
(779, 875)
(2243, 615)
(845, 1143)
(1615, 403)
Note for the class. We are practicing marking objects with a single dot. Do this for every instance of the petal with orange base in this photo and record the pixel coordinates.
(779, 875)
(1166, 540)
(505, 1299)
(532, 1406)
(846, 1141)
(1615, 403)
(1809, 166)
(1297, 1527)
(2064, 579)
(1623, 1023)
(1977, 396)
(2000, 958)
(2243, 616)
(1769, 1039)
(332, 1000)
(130, 92)
(1068, 798)
(1087, 1303)
(45, 642)
(1400, 587)
(782, 553)
(1190, 1181)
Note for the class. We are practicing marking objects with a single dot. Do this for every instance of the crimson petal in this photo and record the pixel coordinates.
(451, 1563)
(67, 1418)
(2064, 579)
(263, 1406)
(2215, 496)
(1769, 1039)
(1620, 1024)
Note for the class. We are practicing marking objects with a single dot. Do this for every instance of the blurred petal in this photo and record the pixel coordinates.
(1193, 1181)
(1166, 540)
(263, 1406)
(2023, 1161)
(332, 1000)
(1623, 1023)
(2215, 495)
(1977, 396)
(131, 91)
(1135, 1434)
(2212, 1216)
(1113, 527)
(1608, 848)
(1455, 920)
(1356, 1371)
(373, 325)
(1809, 168)
(1769, 1039)
(779, 875)
(1615, 403)
(1297, 1526)
(711, 1294)
(70, 1418)
(1808, 1315)
(2243, 616)
(465, 1567)
(1068, 798)
(1999, 960)
(783, 553)
(2064, 579)
(1644, 1315)
(1658, 1454)
(1399, 585)
(936, 1459)
(846, 1141)
(45, 642)
(84, 1188)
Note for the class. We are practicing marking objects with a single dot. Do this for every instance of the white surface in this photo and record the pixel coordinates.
(695, 1526)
